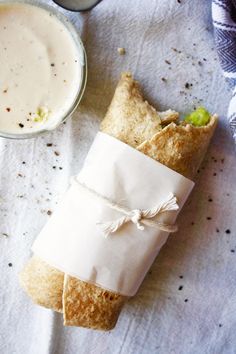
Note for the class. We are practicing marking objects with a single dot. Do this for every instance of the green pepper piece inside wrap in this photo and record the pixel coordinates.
(199, 117)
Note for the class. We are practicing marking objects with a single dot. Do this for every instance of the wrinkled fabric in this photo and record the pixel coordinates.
(224, 21)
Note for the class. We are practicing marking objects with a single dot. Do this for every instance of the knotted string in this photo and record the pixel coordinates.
(139, 217)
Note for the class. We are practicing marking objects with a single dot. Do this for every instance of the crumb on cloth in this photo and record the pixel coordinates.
(121, 50)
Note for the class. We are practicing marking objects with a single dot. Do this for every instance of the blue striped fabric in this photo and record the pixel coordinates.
(224, 21)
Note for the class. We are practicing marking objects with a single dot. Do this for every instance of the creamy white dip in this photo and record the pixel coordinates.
(40, 69)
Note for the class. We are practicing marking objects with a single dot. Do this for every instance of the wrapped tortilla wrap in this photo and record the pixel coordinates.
(180, 147)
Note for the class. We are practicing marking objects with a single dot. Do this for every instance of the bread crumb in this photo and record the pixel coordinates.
(121, 51)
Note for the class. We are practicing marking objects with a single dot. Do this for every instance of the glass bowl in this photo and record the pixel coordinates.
(64, 17)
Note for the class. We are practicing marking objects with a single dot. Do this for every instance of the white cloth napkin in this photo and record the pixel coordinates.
(187, 303)
(223, 15)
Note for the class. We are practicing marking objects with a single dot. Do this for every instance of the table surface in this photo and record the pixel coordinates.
(187, 303)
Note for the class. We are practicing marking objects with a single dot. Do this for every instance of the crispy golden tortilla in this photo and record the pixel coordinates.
(97, 308)
(130, 118)
(181, 147)
(43, 283)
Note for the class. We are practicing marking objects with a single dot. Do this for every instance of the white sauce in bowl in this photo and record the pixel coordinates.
(40, 69)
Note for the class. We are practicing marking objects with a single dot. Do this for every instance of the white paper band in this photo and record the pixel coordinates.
(113, 173)
(136, 216)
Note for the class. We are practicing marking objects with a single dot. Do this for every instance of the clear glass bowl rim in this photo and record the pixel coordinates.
(75, 35)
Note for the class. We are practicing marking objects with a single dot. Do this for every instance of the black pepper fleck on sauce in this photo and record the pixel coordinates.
(232, 251)
(163, 79)
(181, 276)
(168, 62)
(54, 167)
(49, 144)
(8, 109)
(49, 212)
(227, 231)
(56, 153)
(21, 125)
(217, 230)
(180, 287)
(52, 64)
(208, 218)
(9, 264)
(210, 200)
(186, 300)
(220, 325)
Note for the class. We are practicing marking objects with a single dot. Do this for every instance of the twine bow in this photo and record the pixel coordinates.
(138, 217)
(141, 217)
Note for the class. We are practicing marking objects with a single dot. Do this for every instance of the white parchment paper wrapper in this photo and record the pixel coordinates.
(72, 240)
